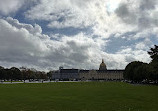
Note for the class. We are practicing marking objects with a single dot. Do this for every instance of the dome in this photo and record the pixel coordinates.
(102, 66)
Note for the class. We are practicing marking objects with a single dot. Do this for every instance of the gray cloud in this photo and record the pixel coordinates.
(148, 4)
(126, 14)
(141, 13)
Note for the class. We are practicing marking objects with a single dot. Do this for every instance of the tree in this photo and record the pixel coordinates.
(43, 76)
(154, 63)
(30, 74)
(141, 72)
(136, 71)
(49, 75)
(15, 74)
(1, 73)
(24, 75)
(154, 53)
(7, 74)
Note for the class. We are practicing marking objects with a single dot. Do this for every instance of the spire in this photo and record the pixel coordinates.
(102, 65)
(102, 60)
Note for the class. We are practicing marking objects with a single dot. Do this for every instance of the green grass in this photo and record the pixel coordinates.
(79, 96)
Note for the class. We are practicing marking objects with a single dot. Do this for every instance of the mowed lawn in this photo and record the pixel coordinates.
(78, 96)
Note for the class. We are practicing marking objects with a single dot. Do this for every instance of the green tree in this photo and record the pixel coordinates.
(24, 72)
(30, 74)
(7, 74)
(154, 63)
(24, 75)
(154, 53)
(15, 74)
(49, 75)
(141, 72)
(136, 71)
(1, 73)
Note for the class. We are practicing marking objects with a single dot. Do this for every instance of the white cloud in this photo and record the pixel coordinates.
(8, 6)
(33, 30)
(98, 15)
(130, 20)
(135, 54)
(103, 17)
(20, 46)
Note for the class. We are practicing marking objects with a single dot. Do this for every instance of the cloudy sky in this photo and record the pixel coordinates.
(46, 34)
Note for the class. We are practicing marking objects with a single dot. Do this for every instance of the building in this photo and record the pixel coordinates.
(66, 74)
(78, 74)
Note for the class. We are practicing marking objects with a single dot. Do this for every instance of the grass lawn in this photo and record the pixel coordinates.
(78, 96)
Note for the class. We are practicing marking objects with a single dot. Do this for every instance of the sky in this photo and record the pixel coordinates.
(47, 34)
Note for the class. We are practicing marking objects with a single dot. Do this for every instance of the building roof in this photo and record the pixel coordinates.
(101, 71)
(69, 71)
(84, 71)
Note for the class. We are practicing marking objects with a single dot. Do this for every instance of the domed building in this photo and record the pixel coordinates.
(102, 65)
(81, 74)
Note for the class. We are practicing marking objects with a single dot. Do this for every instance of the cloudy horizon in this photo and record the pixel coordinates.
(46, 34)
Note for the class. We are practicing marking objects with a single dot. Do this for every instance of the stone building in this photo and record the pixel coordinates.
(78, 74)
(101, 75)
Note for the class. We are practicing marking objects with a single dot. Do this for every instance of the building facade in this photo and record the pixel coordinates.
(79, 74)
(101, 75)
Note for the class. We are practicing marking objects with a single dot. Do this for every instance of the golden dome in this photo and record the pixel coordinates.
(102, 66)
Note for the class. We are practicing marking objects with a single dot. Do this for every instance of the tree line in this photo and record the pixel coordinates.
(22, 74)
(139, 72)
